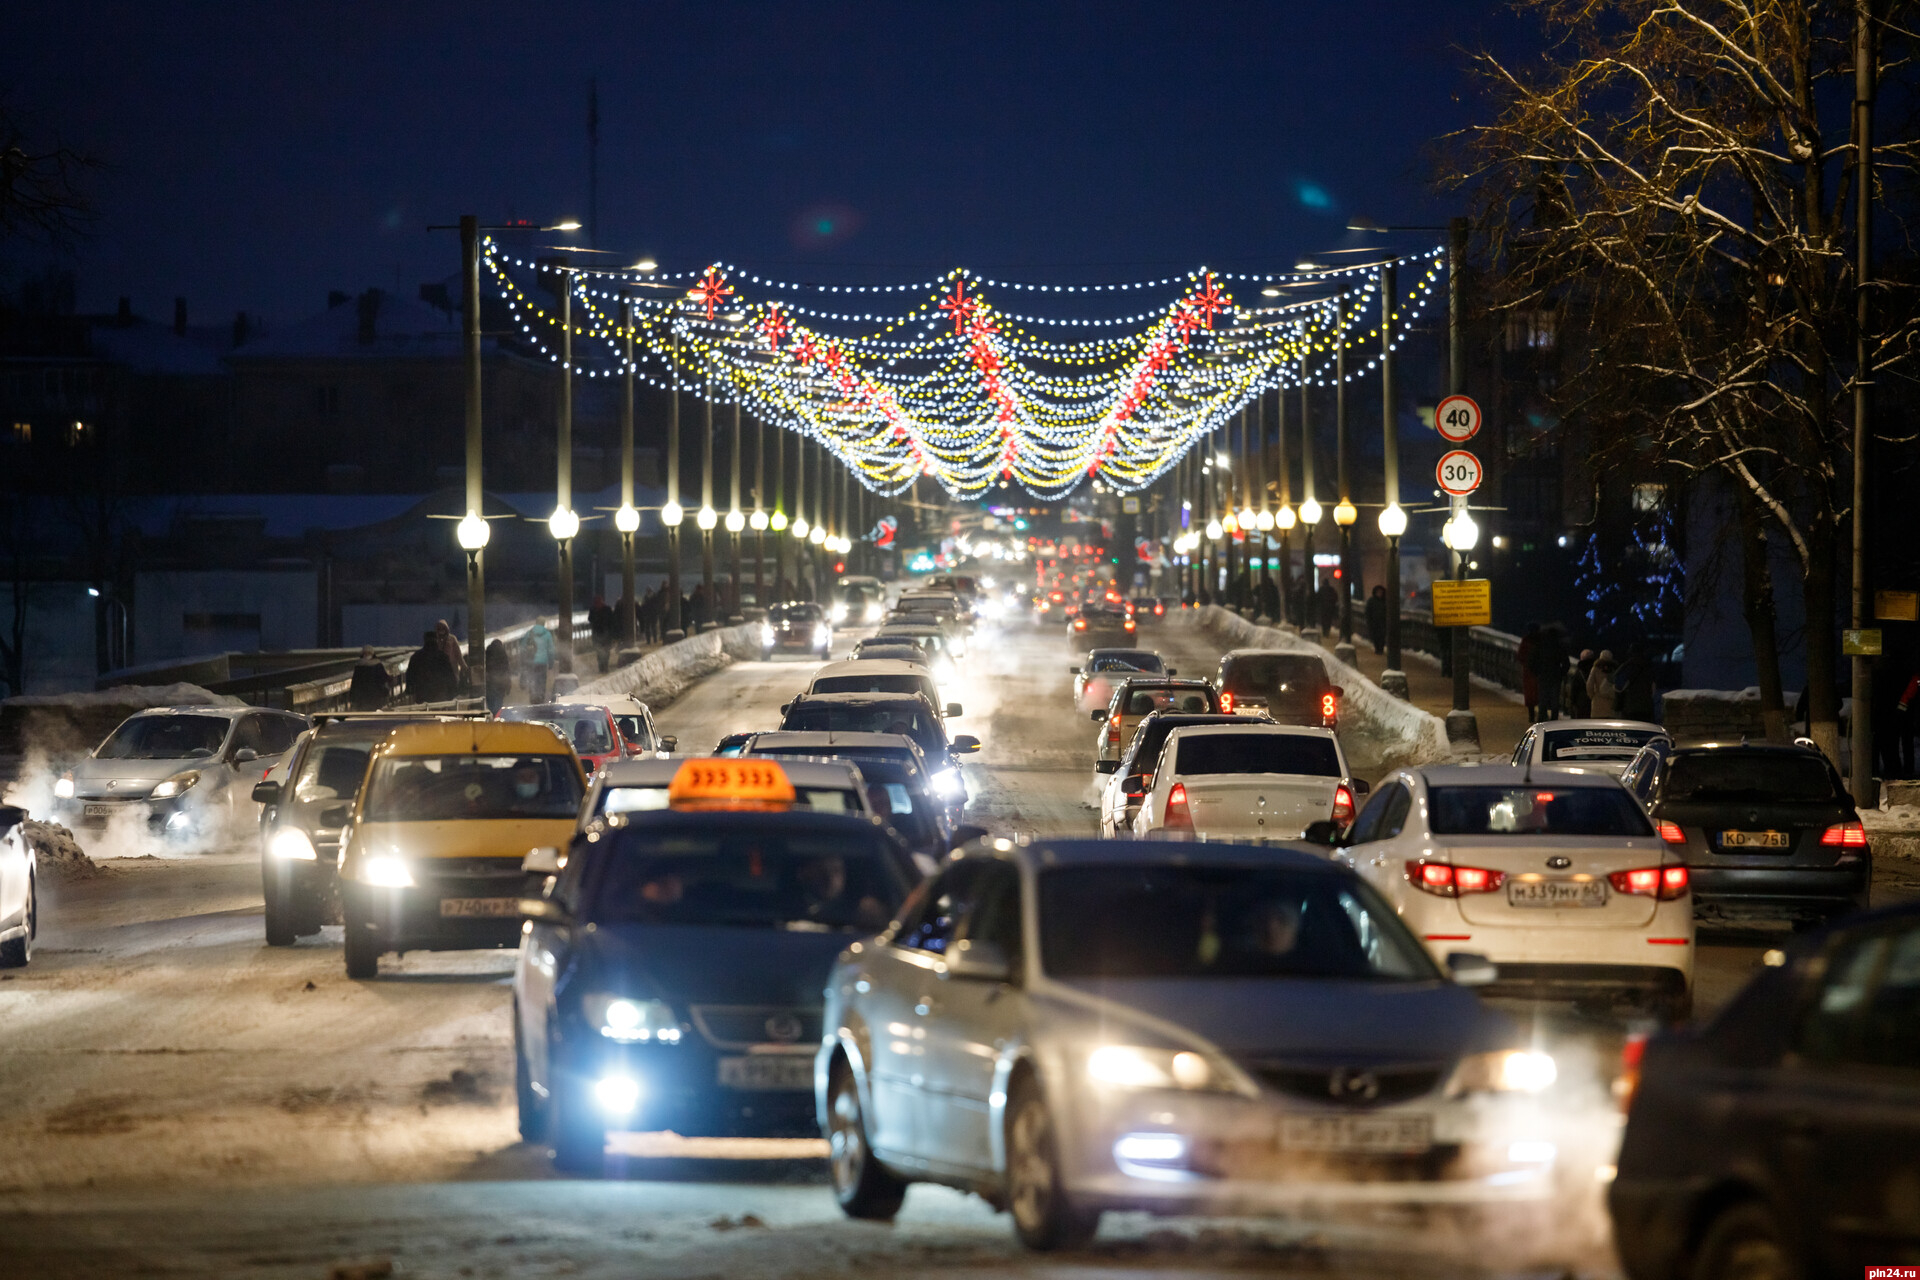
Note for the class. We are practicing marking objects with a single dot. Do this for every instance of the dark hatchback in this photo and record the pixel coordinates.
(1768, 832)
(1292, 688)
(1782, 1140)
(671, 975)
(796, 628)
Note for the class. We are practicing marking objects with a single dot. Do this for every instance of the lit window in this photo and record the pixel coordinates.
(1530, 330)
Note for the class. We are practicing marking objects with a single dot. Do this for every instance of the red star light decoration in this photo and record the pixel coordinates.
(711, 291)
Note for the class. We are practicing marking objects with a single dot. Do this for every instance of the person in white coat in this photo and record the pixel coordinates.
(1600, 690)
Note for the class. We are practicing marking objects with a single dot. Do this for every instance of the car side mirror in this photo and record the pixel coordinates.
(1106, 766)
(1322, 833)
(266, 793)
(1173, 671)
(953, 709)
(1073, 671)
(335, 815)
(784, 706)
(966, 744)
(1471, 969)
(1098, 716)
(245, 755)
(546, 911)
(546, 860)
(1362, 787)
(980, 961)
(669, 743)
(11, 816)
(1135, 785)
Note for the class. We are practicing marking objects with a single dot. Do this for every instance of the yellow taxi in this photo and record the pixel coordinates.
(431, 859)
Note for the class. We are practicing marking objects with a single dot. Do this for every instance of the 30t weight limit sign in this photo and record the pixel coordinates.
(1459, 473)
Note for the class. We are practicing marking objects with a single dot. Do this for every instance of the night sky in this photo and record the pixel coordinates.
(262, 154)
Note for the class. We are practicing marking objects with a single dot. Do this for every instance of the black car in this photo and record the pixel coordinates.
(1769, 831)
(905, 714)
(796, 628)
(1136, 764)
(1292, 688)
(671, 976)
(1783, 1138)
(1101, 627)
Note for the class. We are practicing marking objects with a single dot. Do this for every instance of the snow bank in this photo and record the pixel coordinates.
(134, 697)
(56, 853)
(1379, 730)
(662, 675)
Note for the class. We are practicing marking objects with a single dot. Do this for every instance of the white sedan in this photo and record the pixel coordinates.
(19, 906)
(1608, 746)
(1555, 875)
(1245, 781)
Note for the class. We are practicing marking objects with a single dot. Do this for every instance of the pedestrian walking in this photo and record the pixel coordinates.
(372, 683)
(1377, 619)
(1600, 691)
(1327, 600)
(456, 656)
(1550, 668)
(1634, 680)
(536, 661)
(1529, 678)
(499, 675)
(600, 627)
(1579, 705)
(1907, 709)
(429, 674)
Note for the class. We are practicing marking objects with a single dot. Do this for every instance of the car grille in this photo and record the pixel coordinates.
(734, 1026)
(1351, 1086)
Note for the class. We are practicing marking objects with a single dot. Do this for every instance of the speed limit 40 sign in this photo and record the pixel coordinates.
(1458, 472)
(1457, 418)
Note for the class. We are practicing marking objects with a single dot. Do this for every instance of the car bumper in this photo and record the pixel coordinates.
(179, 817)
(1570, 957)
(413, 919)
(679, 1089)
(1243, 1155)
(1761, 892)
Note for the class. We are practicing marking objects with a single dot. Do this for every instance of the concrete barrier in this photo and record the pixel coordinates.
(661, 675)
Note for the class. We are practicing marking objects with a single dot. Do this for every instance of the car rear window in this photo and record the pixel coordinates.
(1138, 700)
(884, 683)
(913, 719)
(1274, 673)
(1258, 753)
(1749, 777)
(1535, 811)
(1126, 662)
(1574, 745)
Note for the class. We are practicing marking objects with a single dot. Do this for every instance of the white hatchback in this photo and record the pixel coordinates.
(1246, 781)
(1608, 746)
(1558, 876)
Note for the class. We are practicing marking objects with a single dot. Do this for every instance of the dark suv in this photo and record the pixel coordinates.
(909, 715)
(1292, 688)
(1768, 832)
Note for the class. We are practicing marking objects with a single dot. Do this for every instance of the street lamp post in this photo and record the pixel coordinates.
(759, 517)
(1344, 514)
(777, 522)
(1462, 727)
(800, 526)
(1394, 678)
(627, 519)
(1310, 511)
(673, 513)
(707, 517)
(736, 521)
(563, 517)
(1284, 519)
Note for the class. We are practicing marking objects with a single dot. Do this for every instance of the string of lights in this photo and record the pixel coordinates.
(949, 386)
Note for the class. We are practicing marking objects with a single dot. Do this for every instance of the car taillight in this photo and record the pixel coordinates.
(1342, 805)
(1845, 835)
(1113, 733)
(1179, 816)
(1226, 703)
(1079, 624)
(1328, 706)
(1663, 883)
(1671, 833)
(1446, 881)
(1159, 609)
(1129, 624)
(1632, 1054)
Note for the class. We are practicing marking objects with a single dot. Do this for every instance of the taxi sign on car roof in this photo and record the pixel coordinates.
(730, 784)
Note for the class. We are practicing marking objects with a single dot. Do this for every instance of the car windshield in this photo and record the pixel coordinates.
(585, 728)
(911, 718)
(926, 637)
(1125, 662)
(453, 788)
(1140, 700)
(1535, 811)
(756, 877)
(1220, 922)
(1786, 778)
(900, 682)
(332, 771)
(1574, 745)
(1274, 673)
(165, 738)
(1258, 753)
(780, 613)
(653, 796)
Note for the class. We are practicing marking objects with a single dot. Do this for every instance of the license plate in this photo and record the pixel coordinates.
(1556, 893)
(479, 906)
(1755, 840)
(1367, 1134)
(767, 1071)
(102, 810)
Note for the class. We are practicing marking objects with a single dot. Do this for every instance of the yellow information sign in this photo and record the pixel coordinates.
(1896, 606)
(1462, 604)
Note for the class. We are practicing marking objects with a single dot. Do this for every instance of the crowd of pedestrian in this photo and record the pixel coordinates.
(1556, 682)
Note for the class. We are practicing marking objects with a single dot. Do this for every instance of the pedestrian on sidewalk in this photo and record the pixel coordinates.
(1634, 680)
(372, 684)
(429, 674)
(1579, 705)
(1600, 690)
(536, 661)
(1529, 680)
(1550, 668)
(1327, 599)
(600, 627)
(1377, 619)
(456, 656)
(499, 675)
(1908, 711)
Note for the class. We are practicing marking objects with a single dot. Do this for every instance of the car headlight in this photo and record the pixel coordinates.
(291, 842)
(766, 633)
(947, 782)
(1127, 1066)
(386, 872)
(63, 788)
(632, 1021)
(179, 784)
(840, 612)
(820, 633)
(1505, 1071)
(875, 612)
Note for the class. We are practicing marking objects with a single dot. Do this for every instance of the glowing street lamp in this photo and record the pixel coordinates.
(672, 514)
(707, 518)
(736, 521)
(473, 533)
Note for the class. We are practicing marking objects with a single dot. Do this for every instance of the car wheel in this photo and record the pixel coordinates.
(281, 930)
(579, 1137)
(863, 1188)
(18, 951)
(532, 1107)
(1044, 1217)
(1744, 1244)
(363, 950)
